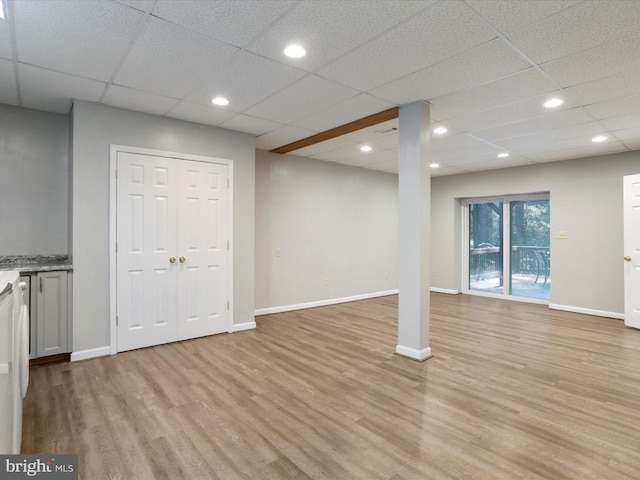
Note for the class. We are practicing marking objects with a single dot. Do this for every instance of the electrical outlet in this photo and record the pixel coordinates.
(277, 252)
(326, 282)
(561, 235)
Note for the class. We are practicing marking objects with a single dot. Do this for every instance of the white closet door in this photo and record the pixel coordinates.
(146, 231)
(631, 191)
(203, 248)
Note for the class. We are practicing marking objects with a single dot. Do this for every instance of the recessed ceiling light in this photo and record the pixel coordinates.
(440, 130)
(365, 148)
(503, 155)
(220, 101)
(599, 138)
(295, 51)
(434, 165)
(553, 102)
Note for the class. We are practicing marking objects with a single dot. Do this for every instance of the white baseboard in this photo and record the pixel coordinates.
(323, 303)
(91, 353)
(4, 368)
(419, 355)
(444, 290)
(243, 326)
(587, 311)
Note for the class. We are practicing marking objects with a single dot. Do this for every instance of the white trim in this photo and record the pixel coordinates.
(511, 298)
(243, 326)
(91, 353)
(323, 303)
(448, 291)
(113, 196)
(4, 368)
(413, 353)
(587, 311)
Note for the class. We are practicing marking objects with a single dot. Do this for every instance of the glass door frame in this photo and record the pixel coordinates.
(506, 244)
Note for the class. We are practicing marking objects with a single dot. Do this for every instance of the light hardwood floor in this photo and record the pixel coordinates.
(514, 391)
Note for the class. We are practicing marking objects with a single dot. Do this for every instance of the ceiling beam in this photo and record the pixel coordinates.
(359, 124)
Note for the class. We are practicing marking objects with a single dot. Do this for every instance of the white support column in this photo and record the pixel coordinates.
(414, 242)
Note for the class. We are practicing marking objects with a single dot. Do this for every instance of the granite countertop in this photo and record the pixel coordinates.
(35, 263)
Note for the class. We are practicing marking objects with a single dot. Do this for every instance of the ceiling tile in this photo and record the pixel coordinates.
(245, 81)
(323, 147)
(479, 152)
(329, 29)
(129, 99)
(487, 62)
(390, 127)
(550, 137)
(628, 133)
(365, 159)
(6, 50)
(142, 5)
(8, 90)
(351, 109)
(248, 124)
(580, 142)
(547, 122)
(386, 165)
(87, 39)
(193, 112)
(623, 122)
(586, 151)
(54, 92)
(282, 136)
(511, 15)
(518, 87)
(598, 62)
(385, 142)
(609, 88)
(505, 114)
(584, 26)
(307, 96)
(615, 108)
(171, 61)
(632, 144)
(442, 30)
(495, 163)
(447, 142)
(220, 19)
(348, 152)
(443, 170)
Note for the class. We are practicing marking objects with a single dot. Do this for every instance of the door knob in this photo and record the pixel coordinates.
(172, 260)
(182, 259)
(627, 258)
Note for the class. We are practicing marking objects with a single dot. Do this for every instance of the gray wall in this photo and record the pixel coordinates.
(34, 182)
(586, 202)
(328, 221)
(95, 127)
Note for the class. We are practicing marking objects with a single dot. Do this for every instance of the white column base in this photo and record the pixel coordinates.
(419, 355)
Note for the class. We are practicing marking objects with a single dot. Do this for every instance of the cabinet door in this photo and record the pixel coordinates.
(51, 313)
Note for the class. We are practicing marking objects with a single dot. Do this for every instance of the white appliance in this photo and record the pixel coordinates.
(14, 360)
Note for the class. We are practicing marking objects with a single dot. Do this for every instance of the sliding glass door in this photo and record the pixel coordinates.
(486, 273)
(507, 242)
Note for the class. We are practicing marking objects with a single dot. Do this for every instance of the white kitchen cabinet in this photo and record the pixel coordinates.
(51, 323)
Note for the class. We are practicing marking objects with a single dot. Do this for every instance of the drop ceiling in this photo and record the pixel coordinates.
(485, 66)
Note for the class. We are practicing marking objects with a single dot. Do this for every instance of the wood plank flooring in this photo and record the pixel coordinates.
(514, 391)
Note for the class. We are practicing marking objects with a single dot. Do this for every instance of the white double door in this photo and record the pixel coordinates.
(172, 249)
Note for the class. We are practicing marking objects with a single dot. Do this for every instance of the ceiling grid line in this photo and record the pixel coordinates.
(131, 44)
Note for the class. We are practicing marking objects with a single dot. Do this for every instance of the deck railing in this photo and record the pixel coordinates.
(487, 262)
